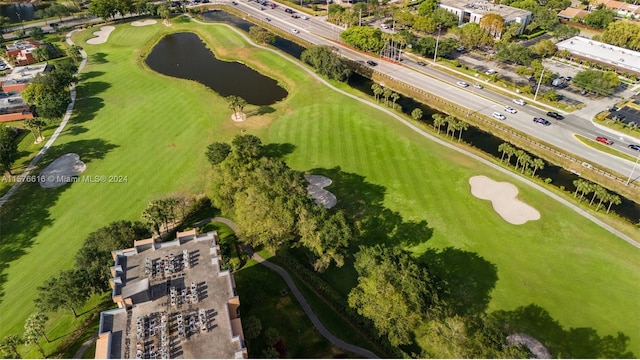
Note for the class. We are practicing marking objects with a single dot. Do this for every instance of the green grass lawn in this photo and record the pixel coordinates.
(402, 188)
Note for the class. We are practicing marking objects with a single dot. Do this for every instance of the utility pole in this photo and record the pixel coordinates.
(633, 169)
(360, 18)
(538, 87)
(435, 53)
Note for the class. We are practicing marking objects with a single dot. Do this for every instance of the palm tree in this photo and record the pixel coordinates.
(33, 329)
(462, 126)
(537, 163)
(510, 152)
(377, 91)
(518, 154)
(596, 190)
(394, 97)
(587, 188)
(233, 104)
(451, 125)
(438, 120)
(9, 344)
(416, 114)
(386, 93)
(578, 185)
(503, 149)
(603, 195)
(525, 160)
(613, 199)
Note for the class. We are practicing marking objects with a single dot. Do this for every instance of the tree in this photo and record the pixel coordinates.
(247, 146)
(597, 190)
(164, 12)
(9, 345)
(217, 152)
(613, 199)
(451, 125)
(519, 153)
(545, 48)
(49, 92)
(493, 24)
(600, 82)
(416, 114)
(4, 22)
(603, 195)
(124, 7)
(461, 126)
(394, 97)
(386, 94)
(623, 33)
(326, 62)
(564, 31)
(8, 149)
(377, 90)
(44, 52)
(438, 120)
(261, 35)
(270, 353)
(68, 289)
(513, 52)
(34, 329)
(105, 9)
(326, 236)
(61, 10)
(237, 104)
(36, 33)
(252, 327)
(525, 160)
(600, 18)
(503, 148)
(271, 336)
(427, 7)
(537, 163)
(471, 36)
(365, 38)
(393, 291)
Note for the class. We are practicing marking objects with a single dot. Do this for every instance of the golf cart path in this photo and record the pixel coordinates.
(296, 292)
(58, 131)
(517, 177)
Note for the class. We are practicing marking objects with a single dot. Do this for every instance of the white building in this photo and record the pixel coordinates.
(469, 11)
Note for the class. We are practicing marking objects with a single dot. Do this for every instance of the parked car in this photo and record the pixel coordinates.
(462, 83)
(519, 102)
(421, 63)
(509, 109)
(555, 115)
(371, 63)
(499, 116)
(604, 140)
(541, 121)
(295, 31)
(634, 147)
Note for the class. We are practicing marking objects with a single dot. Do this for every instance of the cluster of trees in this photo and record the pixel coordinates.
(599, 82)
(49, 91)
(270, 203)
(108, 9)
(34, 329)
(365, 38)
(452, 123)
(326, 62)
(262, 35)
(600, 18)
(585, 188)
(56, 9)
(427, 18)
(252, 328)
(622, 33)
(237, 104)
(523, 159)
(523, 55)
(165, 211)
(8, 149)
(380, 91)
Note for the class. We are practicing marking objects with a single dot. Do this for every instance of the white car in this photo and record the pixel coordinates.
(304, 17)
(384, 26)
(295, 31)
(477, 86)
(509, 109)
(462, 83)
(499, 116)
(490, 72)
(519, 102)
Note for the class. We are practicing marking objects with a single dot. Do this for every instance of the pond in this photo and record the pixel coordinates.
(19, 12)
(185, 56)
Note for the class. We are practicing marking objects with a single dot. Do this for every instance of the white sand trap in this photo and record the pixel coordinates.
(61, 171)
(503, 197)
(320, 195)
(535, 346)
(102, 35)
(144, 23)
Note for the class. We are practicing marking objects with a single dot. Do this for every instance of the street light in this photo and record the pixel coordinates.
(538, 87)
(633, 169)
(435, 53)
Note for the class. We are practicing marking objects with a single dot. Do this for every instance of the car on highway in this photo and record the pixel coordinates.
(541, 121)
(267, 19)
(477, 86)
(509, 109)
(462, 83)
(421, 63)
(371, 63)
(634, 147)
(499, 116)
(604, 140)
(295, 31)
(295, 16)
(519, 102)
(304, 17)
(490, 72)
(555, 115)
(288, 11)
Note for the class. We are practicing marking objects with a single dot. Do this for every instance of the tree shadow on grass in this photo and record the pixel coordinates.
(278, 151)
(75, 130)
(263, 110)
(87, 103)
(576, 343)
(27, 211)
(98, 58)
(89, 75)
(466, 279)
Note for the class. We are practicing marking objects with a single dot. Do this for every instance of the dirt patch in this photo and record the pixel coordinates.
(316, 186)
(535, 346)
(61, 171)
(503, 197)
(102, 35)
(144, 23)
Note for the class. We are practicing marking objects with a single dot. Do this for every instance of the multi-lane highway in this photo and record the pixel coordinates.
(485, 101)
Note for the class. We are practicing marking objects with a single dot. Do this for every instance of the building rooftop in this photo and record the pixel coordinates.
(174, 302)
(620, 6)
(24, 74)
(482, 8)
(572, 13)
(601, 52)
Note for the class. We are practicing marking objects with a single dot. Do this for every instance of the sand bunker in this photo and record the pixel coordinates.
(144, 23)
(535, 346)
(101, 35)
(503, 197)
(62, 171)
(320, 195)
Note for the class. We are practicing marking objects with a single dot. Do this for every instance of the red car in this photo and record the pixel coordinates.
(604, 140)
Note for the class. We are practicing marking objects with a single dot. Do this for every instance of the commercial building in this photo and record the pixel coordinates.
(174, 301)
(616, 57)
(12, 106)
(474, 11)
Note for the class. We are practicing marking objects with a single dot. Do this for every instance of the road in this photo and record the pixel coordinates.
(485, 101)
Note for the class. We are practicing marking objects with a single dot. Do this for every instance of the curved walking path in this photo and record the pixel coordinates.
(63, 123)
(296, 292)
(85, 346)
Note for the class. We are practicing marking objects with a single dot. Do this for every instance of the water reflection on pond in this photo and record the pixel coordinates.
(185, 56)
